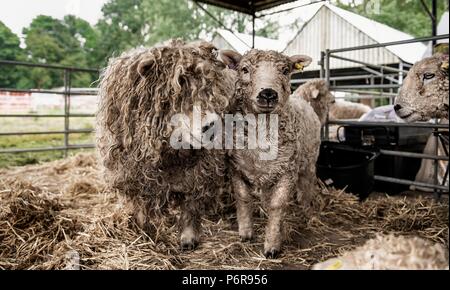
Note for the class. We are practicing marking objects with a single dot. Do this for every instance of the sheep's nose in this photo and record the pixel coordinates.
(268, 95)
(208, 126)
(397, 107)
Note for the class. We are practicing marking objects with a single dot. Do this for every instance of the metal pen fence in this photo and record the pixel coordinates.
(67, 73)
(380, 71)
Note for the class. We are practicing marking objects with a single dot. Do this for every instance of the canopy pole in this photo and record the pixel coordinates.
(253, 31)
(434, 20)
(253, 23)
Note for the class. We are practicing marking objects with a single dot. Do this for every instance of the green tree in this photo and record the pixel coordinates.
(130, 23)
(10, 76)
(405, 15)
(69, 42)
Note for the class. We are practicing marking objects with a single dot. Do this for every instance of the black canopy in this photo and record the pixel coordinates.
(246, 6)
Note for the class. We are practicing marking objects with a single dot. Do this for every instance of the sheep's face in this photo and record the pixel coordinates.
(264, 79)
(424, 93)
(317, 94)
(183, 82)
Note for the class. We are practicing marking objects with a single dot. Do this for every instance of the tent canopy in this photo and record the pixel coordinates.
(248, 7)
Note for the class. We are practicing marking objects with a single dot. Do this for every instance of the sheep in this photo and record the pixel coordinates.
(263, 88)
(316, 93)
(140, 93)
(423, 96)
(342, 110)
(388, 252)
(426, 170)
(424, 92)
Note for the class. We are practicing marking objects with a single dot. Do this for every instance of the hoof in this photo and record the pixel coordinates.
(188, 245)
(272, 253)
(246, 237)
(246, 234)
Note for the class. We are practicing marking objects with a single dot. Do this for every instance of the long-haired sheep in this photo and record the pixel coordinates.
(389, 252)
(140, 92)
(263, 87)
(317, 94)
(424, 92)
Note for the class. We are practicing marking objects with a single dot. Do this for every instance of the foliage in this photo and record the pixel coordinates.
(10, 50)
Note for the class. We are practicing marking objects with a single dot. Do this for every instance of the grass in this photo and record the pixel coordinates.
(38, 141)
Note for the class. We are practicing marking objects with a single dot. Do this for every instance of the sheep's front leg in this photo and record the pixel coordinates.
(190, 226)
(244, 208)
(278, 202)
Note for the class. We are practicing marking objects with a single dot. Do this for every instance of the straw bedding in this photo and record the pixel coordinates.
(59, 215)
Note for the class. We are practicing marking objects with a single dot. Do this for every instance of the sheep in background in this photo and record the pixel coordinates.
(423, 96)
(263, 87)
(424, 92)
(140, 92)
(317, 94)
(343, 110)
(426, 170)
(391, 253)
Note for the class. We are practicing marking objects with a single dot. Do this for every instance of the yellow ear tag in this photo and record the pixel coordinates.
(444, 65)
(335, 266)
(299, 66)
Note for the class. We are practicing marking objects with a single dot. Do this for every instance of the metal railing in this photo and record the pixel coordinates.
(67, 92)
(325, 72)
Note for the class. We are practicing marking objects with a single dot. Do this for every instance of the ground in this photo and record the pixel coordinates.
(53, 213)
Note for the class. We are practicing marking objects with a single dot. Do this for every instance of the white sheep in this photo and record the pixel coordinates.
(424, 92)
(263, 87)
(317, 94)
(388, 252)
(423, 96)
(343, 110)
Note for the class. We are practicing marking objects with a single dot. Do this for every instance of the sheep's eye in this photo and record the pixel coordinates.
(428, 76)
(245, 70)
(286, 71)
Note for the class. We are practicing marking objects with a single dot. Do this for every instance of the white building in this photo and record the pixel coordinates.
(332, 28)
(241, 42)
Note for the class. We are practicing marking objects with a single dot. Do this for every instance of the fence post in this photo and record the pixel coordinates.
(67, 85)
(437, 193)
(327, 77)
(322, 65)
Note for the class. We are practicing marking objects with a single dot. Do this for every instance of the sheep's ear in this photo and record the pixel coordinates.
(230, 58)
(299, 62)
(314, 93)
(144, 66)
(444, 64)
(441, 48)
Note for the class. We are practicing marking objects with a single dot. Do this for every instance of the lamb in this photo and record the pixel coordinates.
(388, 252)
(140, 93)
(263, 87)
(316, 93)
(343, 110)
(424, 92)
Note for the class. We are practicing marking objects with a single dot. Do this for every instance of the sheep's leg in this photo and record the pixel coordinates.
(190, 226)
(244, 209)
(276, 209)
(307, 187)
